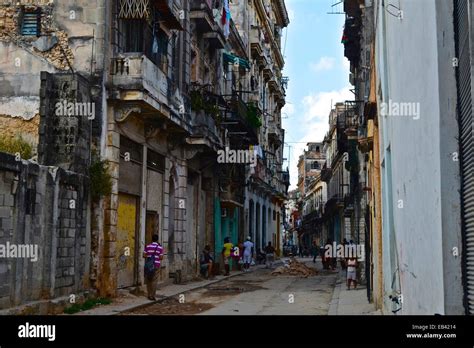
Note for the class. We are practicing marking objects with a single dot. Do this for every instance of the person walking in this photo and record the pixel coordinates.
(314, 251)
(269, 255)
(247, 254)
(153, 254)
(226, 254)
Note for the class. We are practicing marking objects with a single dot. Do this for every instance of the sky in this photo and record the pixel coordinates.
(318, 73)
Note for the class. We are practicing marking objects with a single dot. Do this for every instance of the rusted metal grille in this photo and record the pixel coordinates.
(134, 9)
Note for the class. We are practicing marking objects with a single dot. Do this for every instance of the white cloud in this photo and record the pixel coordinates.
(311, 125)
(288, 110)
(346, 64)
(291, 14)
(324, 64)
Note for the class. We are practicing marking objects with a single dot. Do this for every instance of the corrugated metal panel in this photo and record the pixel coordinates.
(465, 117)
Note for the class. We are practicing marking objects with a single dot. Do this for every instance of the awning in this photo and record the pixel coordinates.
(232, 59)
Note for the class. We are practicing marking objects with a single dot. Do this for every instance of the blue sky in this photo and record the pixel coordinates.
(318, 72)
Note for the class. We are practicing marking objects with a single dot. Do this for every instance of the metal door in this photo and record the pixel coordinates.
(126, 240)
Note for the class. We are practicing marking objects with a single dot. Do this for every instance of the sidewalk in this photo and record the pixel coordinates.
(128, 301)
(350, 302)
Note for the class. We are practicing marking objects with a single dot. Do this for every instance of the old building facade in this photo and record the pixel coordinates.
(169, 84)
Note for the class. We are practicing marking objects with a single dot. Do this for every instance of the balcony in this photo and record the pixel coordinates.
(257, 102)
(135, 77)
(170, 13)
(216, 39)
(273, 85)
(334, 204)
(143, 88)
(274, 134)
(242, 120)
(206, 109)
(201, 15)
(351, 40)
(256, 43)
(326, 174)
(352, 7)
(268, 73)
(366, 137)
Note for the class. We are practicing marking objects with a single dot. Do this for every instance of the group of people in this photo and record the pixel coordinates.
(243, 254)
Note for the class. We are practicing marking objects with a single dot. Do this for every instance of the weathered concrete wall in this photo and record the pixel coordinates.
(420, 184)
(71, 35)
(65, 138)
(44, 207)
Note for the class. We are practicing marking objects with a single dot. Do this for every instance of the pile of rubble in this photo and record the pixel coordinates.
(293, 267)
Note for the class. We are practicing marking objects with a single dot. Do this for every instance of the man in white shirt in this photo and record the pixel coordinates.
(248, 253)
(351, 272)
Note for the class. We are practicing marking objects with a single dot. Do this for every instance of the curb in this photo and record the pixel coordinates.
(334, 304)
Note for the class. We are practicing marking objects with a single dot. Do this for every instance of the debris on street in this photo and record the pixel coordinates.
(294, 267)
(172, 306)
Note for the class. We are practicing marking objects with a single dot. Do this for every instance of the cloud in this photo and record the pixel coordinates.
(346, 64)
(324, 64)
(291, 14)
(311, 125)
(288, 110)
(316, 107)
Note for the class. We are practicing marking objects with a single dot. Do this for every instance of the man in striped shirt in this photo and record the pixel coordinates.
(153, 250)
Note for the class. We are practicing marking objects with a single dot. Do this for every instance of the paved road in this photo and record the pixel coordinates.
(258, 293)
(281, 295)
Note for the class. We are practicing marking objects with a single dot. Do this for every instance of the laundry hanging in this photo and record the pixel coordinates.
(226, 17)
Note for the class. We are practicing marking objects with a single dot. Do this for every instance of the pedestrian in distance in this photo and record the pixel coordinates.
(314, 251)
(260, 257)
(226, 254)
(206, 262)
(247, 254)
(153, 255)
(351, 272)
(269, 255)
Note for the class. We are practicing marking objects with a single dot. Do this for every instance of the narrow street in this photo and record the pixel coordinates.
(254, 293)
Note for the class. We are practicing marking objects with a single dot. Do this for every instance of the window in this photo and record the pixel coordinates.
(155, 161)
(139, 32)
(30, 22)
